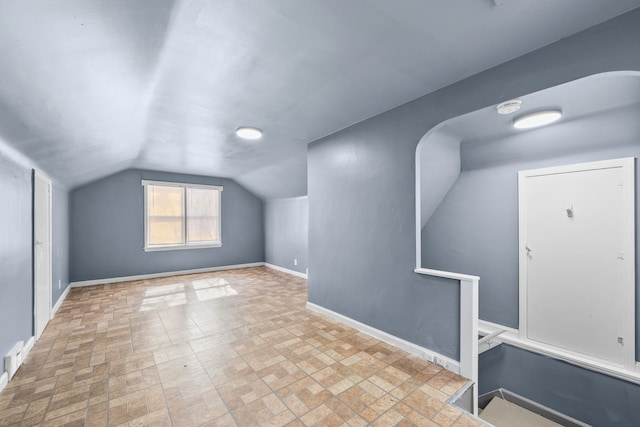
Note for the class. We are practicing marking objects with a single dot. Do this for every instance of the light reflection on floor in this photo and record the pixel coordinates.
(176, 294)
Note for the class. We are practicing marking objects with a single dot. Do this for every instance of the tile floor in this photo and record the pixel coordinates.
(229, 348)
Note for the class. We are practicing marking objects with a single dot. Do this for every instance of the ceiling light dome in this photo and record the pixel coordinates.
(536, 119)
(248, 132)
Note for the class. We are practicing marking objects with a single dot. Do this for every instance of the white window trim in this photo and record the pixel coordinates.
(153, 248)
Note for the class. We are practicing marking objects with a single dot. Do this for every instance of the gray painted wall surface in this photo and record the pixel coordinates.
(16, 280)
(593, 398)
(16, 248)
(362, 188)
(286, 232)
(475, 228)
(439, 169)
(107, 229)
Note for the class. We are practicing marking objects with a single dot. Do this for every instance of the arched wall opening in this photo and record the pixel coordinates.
(466, 178)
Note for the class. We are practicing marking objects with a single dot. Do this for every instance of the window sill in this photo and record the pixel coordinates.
(180, 247)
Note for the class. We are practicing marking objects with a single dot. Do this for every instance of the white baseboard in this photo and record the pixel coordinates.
(27, 347)
(409, 347)
(164, 274)
(286, 270)
(4, 380)
(55, 308)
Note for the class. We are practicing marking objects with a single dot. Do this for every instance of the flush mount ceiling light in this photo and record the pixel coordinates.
(509, 107)
(247, 132)
(539, 118)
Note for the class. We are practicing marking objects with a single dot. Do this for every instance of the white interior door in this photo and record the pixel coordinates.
(41, 251)
(577, 258)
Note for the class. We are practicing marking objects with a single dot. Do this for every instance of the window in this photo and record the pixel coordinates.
(181, 216)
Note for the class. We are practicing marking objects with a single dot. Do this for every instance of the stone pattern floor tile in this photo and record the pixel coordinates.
(227, 348)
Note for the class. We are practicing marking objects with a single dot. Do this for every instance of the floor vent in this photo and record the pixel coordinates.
(14, 359)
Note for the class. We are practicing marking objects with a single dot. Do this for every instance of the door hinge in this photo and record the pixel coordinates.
(620, 340)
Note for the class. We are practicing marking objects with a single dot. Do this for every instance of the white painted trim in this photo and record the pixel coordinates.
(45, 179)
(485, 328)
(286, 270)
(446, 274)
(55, 308)
(180, 247)
(185, 244)
(4, 380)
(27, 348)
(164, 274)
(512, 337)
(180, 184)
(409, 347)
(627, 165)
(469, 335)
(418, 201)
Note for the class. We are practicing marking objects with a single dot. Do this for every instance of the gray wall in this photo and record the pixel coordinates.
(16, 280)
(596, 399)
(362, 188)
(107, 229)
(475, 228)
(439, 169)
(286, 228)
(16, 248)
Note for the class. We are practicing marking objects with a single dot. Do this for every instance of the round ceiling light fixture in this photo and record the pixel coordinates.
(248, 132)
(534, 120)
(509, 107)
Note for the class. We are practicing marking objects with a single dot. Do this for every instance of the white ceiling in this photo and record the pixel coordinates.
(91, 87)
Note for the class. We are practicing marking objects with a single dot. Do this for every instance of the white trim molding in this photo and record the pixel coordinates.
(163, 274)
(512, 337)
(409, 347)
(286, 270)
(185, 243)
(61, 299)
(27, 347)
(4, 380)
(38, 175)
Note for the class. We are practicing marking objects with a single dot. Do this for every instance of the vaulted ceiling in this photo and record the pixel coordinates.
(92, 87)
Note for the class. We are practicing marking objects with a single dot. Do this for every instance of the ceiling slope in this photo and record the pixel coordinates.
(91, 87)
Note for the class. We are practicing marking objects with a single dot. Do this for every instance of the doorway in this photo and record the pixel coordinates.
(577, 259)
(42, 274)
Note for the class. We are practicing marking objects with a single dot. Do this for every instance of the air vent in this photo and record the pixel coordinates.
(14, 359)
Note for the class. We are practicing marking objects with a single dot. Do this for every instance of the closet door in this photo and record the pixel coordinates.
(577, 258)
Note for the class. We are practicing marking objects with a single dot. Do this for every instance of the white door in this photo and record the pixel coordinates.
(41, 251)
(577, 258)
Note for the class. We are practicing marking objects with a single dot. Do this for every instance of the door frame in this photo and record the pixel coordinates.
(37, 175)
(628, 168)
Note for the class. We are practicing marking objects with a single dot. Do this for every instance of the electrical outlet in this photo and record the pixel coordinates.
(441, 362)
(295, 261)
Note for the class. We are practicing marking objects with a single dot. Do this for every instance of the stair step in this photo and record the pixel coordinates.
(501, 413)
